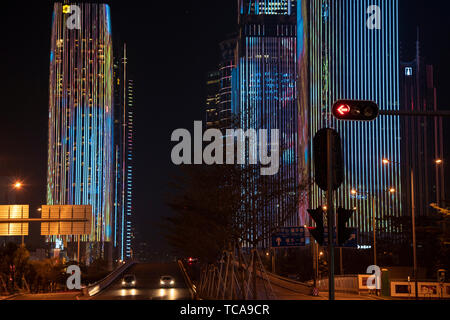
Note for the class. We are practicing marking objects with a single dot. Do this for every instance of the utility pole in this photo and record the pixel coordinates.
(330, 217)
(413, 216)
(374, 227)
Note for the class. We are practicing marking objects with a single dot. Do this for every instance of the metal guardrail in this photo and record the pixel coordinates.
(93, 289)
(191, 286)
(345, 284)
(292, 285)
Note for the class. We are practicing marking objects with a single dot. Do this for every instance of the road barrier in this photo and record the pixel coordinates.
(190, 284)
(290, 284)
(430, 290)
(344, 284)
(93, 289)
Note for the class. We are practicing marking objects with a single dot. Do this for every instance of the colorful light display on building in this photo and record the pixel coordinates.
(80, 146)
(265, 94)
(124, 155)
(349, 60)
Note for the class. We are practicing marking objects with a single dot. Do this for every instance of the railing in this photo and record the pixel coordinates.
(191, 286)
(290, 284)
(93, 289)
(345, 284)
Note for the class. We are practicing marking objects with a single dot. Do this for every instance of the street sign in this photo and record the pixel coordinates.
(289, 237)
(351, 243)
(69, 220)
(10, 213)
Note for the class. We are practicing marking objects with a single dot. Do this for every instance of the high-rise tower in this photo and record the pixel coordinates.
(124, 155)
(264, 96)
(422, 137)
(352, 52)
(80, 148)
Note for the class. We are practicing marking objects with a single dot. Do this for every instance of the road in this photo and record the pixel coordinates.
(147, 284)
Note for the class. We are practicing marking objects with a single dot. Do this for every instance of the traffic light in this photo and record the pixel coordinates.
(321, 158)
(344, 233)
(356, 110)
(318, 231)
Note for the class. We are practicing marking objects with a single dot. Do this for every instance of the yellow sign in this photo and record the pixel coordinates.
(79, 220)
(66, 9)
(14, 212)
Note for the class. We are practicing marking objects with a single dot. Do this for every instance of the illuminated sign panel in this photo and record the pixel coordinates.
(14, 212)
(81, 226)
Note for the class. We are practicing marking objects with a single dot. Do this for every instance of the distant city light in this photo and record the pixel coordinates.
(18, 185)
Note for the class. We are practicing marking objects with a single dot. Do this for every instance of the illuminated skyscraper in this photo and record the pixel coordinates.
(124, 156)
(227, 64)
(422, 137)
(265, 95)
(347, 55)
(80, 149)
(219, 90)
(212, 100)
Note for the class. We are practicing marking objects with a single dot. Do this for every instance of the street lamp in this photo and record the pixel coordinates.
(17, 186)
(439, 163)
(413, 218)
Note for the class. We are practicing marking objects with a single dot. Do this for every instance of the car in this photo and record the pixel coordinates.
(167, 281)
(129, 281)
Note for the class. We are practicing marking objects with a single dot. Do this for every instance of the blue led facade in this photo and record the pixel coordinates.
(349, 60)
(264, 93)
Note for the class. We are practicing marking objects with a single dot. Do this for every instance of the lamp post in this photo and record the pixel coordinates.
(18, 186)
(413, 222)
(438, 162)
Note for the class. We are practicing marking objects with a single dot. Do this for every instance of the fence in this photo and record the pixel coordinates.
(345, 284)
(427, 290)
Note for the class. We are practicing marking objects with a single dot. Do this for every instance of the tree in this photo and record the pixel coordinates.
(204, 201)
(218, 206)
(432, 237)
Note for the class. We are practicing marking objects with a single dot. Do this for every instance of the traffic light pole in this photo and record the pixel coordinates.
(330, 217)
(413, 217)
(414, 113)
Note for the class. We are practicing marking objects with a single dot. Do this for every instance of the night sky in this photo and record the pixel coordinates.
(171, 46)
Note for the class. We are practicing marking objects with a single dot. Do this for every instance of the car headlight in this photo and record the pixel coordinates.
(172, 282)
(134, 282)
(161, 282)
(123, 282)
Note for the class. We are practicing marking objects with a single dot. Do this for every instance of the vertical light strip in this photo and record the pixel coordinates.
(350, 61)
(80, 154)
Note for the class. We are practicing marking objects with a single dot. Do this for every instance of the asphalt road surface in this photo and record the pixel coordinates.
(147, 284)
